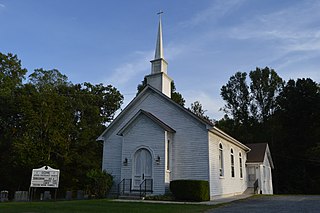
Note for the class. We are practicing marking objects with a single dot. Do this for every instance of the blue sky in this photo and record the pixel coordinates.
(205, 42)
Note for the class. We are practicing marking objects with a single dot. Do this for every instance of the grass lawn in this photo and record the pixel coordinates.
(94, 206)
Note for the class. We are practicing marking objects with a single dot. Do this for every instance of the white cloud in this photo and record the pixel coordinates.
(2, 6)
(218, 8)
(128, 70)
(292, 27)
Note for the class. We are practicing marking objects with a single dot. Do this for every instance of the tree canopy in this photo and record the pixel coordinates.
(48, 120)
(284, 114)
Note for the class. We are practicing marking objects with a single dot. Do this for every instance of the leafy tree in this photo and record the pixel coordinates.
(11, 77)
(264, 87)
(196, 108)
(299, 123)
(50, 121)
(11, 73)
(236, 95)
(176, 96)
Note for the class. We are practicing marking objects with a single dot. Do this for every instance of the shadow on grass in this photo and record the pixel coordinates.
(96, 206)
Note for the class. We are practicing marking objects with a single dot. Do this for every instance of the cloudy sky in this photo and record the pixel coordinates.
(205, 41)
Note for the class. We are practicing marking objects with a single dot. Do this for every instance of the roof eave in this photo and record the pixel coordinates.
(229, 138)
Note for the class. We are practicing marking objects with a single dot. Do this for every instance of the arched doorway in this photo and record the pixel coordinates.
(142, 167)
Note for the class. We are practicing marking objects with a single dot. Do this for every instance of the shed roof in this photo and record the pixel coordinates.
(257, 152)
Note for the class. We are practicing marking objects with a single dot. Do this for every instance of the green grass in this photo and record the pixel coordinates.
(96, 206)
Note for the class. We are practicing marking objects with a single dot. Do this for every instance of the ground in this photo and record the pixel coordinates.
(272, 204)
(255, 204)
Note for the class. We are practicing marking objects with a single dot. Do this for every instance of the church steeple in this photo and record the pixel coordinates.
(159, 64)
(159, 48)
(158, 77)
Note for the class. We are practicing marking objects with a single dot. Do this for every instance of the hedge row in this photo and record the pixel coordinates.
(190, 190)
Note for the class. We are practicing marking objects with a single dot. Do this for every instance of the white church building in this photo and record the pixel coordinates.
(155, 140)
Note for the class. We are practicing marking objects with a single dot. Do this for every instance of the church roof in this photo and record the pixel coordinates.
(208, 124)
(151, 117)
(258, 152)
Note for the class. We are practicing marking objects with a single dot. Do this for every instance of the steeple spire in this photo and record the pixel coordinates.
(159, 64)
(159, 47)
(158, 78)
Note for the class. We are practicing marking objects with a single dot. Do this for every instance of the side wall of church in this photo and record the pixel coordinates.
(226, 184)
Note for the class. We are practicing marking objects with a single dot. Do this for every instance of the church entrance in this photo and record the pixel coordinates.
(252, 177)
(142, 167)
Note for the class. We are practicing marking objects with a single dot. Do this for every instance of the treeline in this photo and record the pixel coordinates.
(47, 120)
(265, 108)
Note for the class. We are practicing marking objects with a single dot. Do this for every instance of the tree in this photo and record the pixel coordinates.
(298, 117)
(264, 88)
(196, 108)
(11, 73)
(176, 96)
(51, 121)
(11, 77)
(236, 95)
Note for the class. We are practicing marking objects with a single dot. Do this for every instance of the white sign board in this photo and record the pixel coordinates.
(45, 177)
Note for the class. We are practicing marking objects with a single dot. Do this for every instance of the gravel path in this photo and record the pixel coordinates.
(279, 204)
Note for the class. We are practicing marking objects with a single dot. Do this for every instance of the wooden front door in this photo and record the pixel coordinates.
(142, 167)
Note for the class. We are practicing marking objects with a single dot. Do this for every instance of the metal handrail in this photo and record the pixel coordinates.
(144, 190)
(255, 186)
(122, 185)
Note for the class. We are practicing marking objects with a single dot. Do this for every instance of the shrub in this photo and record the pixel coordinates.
(98, 183)
(190, 190)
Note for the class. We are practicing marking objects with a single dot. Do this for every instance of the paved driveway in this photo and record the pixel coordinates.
(279, 204)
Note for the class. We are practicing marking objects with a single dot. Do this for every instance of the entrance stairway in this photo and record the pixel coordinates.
(126, 191)
(249, 191)
(130, 196)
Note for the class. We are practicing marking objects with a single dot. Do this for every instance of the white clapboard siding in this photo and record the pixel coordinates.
(266, 180)
(144, 133)
(189, 143)
(225, 185)
(194, 149)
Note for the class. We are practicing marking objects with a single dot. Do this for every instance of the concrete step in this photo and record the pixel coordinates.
(132, 196)
(249, 190)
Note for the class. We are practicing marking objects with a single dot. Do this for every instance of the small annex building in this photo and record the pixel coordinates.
(155, 140)
(259, 165)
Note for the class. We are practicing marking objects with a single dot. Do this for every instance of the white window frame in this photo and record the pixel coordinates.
(221, 163)
(232, 163)
(168, 155)
(241, 165)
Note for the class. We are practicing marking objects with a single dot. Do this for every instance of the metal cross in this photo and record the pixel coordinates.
(159, 13)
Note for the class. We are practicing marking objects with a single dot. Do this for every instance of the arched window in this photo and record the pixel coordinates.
(221, 170)
(232, 163)
(240, 162)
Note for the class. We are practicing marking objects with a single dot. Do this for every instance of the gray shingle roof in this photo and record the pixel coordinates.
(257, 152)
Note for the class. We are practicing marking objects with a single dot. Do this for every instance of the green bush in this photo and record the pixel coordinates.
(190, 190)
(98, 183)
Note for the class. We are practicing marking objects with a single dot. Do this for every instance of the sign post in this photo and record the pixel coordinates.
(45, 177)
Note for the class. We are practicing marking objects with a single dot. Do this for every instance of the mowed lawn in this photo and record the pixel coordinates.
(95, 206)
